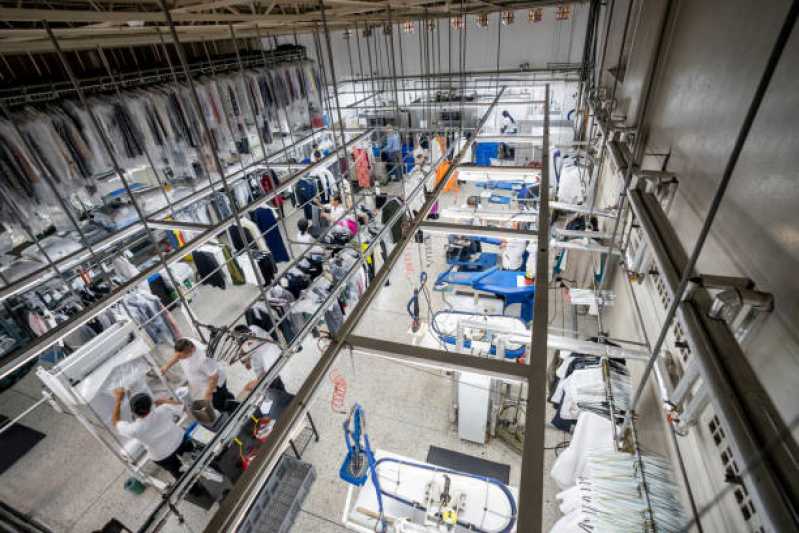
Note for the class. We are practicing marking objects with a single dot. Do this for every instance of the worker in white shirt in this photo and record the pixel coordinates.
(508, 124)
(304, 235)
(259, 356)
(336, 210)
(519, 255)
(154, 426)
(206, 376)
(417, 176)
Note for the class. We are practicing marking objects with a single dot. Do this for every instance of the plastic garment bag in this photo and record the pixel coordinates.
(591, 433)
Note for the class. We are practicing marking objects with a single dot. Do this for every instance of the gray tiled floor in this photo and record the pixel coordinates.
(71, 482)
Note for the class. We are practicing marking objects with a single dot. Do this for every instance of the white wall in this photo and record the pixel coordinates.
(539, 44)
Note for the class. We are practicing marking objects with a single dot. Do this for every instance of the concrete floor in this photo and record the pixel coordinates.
(69, 481)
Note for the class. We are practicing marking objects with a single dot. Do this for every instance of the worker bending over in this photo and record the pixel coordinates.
(258, 356)
(509, 126)
(206, 376)
(154, 427)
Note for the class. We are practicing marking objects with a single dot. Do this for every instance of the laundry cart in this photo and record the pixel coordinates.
(83, 385)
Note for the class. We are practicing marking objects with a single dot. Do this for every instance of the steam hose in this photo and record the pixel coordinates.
(413, 303)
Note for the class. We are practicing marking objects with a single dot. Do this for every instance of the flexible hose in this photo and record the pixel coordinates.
(471, 527)
(413, 303)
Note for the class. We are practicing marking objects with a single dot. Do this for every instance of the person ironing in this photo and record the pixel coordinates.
(206, 376)
(258, 356)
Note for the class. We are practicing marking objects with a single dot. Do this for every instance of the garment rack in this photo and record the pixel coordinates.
(46, 92)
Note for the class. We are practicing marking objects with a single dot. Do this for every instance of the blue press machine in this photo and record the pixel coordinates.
(501, 283)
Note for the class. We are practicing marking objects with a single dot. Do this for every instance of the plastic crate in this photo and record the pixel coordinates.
(281, 497)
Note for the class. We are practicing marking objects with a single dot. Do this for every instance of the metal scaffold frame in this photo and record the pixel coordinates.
(236, 505)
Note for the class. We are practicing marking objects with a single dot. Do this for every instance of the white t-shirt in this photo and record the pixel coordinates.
(199, 368)
(304, 238)
(157, 431)
(512, 254)
(263, 356)
(337, 212)
(508, 125)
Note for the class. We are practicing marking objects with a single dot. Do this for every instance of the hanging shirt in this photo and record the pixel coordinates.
(198, 370)
(336, 212)
(393, 142)
(304, 238)
(157, 431)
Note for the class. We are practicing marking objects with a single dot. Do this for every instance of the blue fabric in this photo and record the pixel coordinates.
(304, 191)
(409, 162)
(393, 142)
(265, 219)
(499, 199)
(503, 185)
(484, 152)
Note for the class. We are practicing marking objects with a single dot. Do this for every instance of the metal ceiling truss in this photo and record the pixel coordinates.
(138, 23)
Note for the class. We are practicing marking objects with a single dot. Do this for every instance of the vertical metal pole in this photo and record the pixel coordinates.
(393, 63)
(335, 87)
(360, 58)
(639, 142)
(263, 58)
(343, 141)
(369, 58)
(603, 151)
(499, 47)
(531, 490)
(402, 66)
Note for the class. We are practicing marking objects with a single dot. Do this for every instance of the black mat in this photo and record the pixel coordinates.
(468, 463)
(15, 442)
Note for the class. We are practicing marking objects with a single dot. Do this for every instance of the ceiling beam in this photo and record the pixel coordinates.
(208, 5)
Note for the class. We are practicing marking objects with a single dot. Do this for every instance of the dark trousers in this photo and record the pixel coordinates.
(221, 399)
(394, 164)
(277, 384)
(172, 463)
